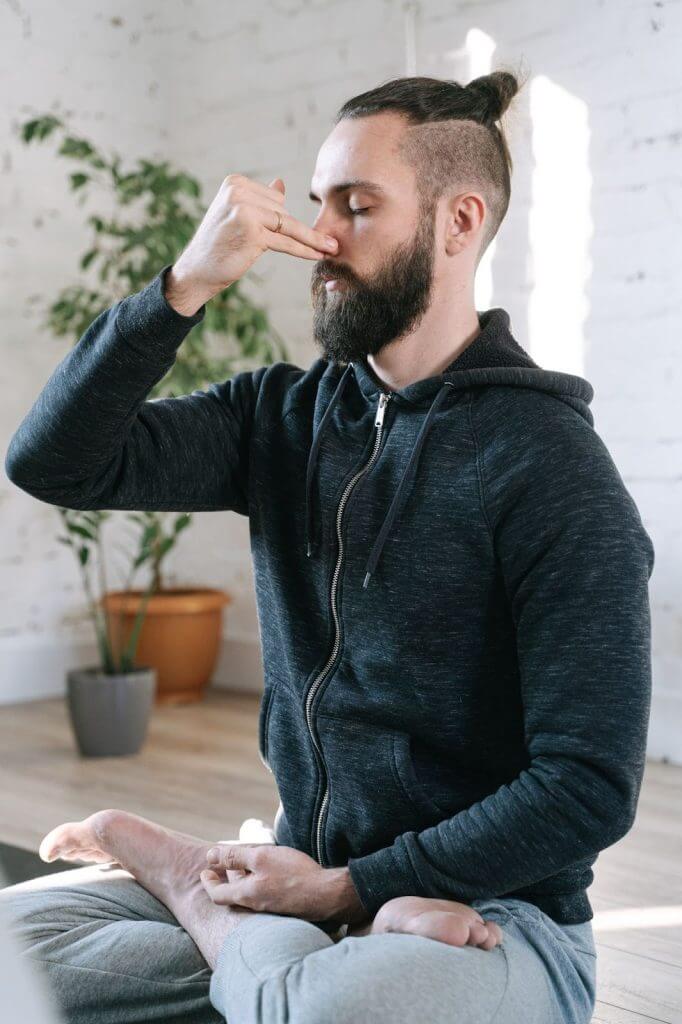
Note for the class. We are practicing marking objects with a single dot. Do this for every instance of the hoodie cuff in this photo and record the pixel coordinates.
(148, 317)
(385, 874)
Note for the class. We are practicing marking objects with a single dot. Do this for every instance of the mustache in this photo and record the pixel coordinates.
(323, 269)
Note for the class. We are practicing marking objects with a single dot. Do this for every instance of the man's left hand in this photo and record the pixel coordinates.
(280, 880)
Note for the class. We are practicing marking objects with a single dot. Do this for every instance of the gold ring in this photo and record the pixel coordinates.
(279, 218)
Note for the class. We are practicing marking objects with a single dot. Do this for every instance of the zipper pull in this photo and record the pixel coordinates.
(381, 408)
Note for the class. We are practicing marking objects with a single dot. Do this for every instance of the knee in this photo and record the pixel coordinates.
(359, 978)
(25, 916)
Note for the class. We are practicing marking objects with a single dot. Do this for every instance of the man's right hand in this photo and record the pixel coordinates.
(237, 228)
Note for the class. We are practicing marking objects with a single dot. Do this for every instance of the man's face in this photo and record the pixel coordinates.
(384, 268)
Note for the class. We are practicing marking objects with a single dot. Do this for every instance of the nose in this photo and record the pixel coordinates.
(324, 222)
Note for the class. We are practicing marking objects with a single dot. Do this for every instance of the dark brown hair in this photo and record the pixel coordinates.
(452, 137)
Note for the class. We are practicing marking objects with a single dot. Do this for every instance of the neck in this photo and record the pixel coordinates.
(449, 325)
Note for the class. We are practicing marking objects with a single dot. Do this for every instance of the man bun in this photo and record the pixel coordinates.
(491, 95)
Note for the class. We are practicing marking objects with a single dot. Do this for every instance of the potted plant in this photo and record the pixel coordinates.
(179, 628)
(175, 630)
(109, 704)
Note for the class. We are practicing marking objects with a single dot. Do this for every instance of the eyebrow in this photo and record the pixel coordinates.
(345, 186)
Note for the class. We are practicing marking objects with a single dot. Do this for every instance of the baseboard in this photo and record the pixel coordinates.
(37, 670)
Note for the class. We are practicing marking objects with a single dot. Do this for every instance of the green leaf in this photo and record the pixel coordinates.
(81, 531)
(182, 521)
(39, 128)
(150, 533)
(78, 179)
(165, 545)
(74, 147)
(87, 259)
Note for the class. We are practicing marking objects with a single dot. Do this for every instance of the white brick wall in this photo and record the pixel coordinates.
(252, 88)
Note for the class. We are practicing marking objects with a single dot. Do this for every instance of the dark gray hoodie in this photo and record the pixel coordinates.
(452, 586)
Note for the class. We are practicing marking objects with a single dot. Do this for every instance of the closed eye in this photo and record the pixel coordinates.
(362, 209)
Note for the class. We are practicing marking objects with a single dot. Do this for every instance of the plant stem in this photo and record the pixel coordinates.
(129, 654)
(105, 654)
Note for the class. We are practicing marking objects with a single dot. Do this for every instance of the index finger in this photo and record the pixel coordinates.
(300, 232)
(257, 186)
(226, 893)
(235, 854)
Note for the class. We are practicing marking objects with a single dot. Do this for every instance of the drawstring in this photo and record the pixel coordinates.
(312, 457)
(401, 490)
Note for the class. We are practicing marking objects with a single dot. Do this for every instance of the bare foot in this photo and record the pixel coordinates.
(166, 863)
(448, 921)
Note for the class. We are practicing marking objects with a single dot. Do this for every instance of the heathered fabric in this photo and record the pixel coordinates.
(480, 730)
(114, 954)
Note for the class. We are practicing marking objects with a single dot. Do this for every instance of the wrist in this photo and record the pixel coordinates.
(344, 902)
(183, 293)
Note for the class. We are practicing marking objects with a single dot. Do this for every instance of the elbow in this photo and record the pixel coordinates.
(29, 476)
(14, 470)
(622, 811)
(623, 822)
(25, 481)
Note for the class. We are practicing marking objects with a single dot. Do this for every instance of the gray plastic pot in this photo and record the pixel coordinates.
(110, 713)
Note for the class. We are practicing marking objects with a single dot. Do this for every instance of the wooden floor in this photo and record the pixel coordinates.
(200, 773)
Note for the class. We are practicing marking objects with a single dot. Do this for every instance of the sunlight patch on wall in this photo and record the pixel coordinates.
(480, 48)
(560, 227)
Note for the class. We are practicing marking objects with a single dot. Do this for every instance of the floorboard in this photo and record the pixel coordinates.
(199, 772)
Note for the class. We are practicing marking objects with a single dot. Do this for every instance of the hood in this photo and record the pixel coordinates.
(494, 357)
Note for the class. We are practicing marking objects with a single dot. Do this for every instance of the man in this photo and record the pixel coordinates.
(452, 584)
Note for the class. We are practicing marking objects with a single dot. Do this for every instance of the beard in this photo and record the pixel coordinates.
(364, 315)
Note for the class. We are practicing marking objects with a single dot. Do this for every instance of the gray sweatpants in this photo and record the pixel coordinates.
(114, 954)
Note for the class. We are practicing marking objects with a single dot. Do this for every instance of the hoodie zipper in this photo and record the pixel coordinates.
(384, 399)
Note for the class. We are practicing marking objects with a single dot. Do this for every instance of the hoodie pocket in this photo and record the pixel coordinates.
(374, 793)
(263, 716)
(417, 791)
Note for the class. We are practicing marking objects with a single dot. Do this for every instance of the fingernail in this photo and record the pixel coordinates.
(331, 242)
(213, 855)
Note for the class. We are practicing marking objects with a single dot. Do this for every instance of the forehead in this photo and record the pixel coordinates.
(363, 149)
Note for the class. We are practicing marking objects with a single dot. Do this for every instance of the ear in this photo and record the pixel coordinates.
(466, 213)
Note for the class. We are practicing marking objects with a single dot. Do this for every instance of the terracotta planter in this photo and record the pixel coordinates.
(180, 636)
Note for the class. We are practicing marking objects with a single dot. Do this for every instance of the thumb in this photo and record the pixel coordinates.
(278, 184)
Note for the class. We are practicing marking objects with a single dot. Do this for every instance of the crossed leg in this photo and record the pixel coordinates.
(168, 864)
(145, 942)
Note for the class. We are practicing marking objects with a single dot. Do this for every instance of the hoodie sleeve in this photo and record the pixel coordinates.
(575, 561)
(91, 441)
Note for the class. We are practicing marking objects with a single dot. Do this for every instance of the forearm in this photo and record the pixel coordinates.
(80, 419)
(527, 830)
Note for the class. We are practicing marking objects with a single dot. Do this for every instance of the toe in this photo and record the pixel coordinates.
(57, 842)
(478, 933)
(486, 936)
